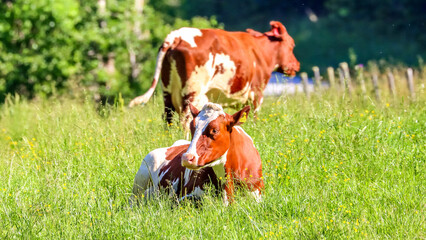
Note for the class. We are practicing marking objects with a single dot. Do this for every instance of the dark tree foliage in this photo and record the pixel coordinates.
(56, 47)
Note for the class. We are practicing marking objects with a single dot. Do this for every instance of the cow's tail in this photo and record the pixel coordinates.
(144, 98)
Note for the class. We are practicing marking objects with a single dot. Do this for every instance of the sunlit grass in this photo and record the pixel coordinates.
(333, 168)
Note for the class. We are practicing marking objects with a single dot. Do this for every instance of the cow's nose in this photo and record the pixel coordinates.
(188, 158)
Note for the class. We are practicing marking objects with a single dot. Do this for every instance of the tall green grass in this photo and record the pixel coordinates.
(333, 168)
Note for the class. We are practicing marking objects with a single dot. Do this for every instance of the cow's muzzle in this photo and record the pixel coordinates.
(190, 161)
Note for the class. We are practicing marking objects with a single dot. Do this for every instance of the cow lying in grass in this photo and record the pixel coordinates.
(220, 153)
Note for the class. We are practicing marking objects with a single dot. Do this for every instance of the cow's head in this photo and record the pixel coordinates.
(211, 134)
(287, 62)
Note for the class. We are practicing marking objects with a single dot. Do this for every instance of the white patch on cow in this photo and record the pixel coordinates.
(211, 81)
(187, 175)
(186, 34)
(147, 179)
(175, 86)
(197, 192)
(162, 175)
(209, 113)
(252, 95)
(180, 142)
(256, 195)
(254, 64)
(175, 185)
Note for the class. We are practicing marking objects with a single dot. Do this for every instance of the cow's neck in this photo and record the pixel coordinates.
(219, 166)
(266, 47)
(236, 149)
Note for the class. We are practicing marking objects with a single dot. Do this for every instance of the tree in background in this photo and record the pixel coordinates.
(106, 47)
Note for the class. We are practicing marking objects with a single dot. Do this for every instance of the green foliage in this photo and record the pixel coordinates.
(49, 47)
(374, 30)
(333, 168)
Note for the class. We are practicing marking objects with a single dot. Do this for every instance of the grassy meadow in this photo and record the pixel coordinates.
(333, 168)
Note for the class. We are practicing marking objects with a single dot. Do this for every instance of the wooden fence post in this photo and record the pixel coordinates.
(360, 78)
(317, 76)
(304, 77)
(410, 82)
(391, 82)
(341, 79)
(375, 80)
(347, 76)
(331, 79)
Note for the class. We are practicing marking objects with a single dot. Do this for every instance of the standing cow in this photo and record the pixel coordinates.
(220, 153)
(202, 65)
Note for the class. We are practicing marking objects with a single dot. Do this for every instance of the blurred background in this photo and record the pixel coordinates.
(107, 48)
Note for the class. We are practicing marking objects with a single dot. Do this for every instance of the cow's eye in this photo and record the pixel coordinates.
(214, 131)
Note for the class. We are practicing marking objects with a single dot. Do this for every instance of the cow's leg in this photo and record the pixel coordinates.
(257, 102)
(185, 119)
(169, 109)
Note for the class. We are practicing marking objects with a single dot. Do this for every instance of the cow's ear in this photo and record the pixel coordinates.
(277, 31)
(236, 117)
(194, 110)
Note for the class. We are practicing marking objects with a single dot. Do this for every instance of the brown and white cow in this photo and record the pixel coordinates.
(202, 65)
(220, 153)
